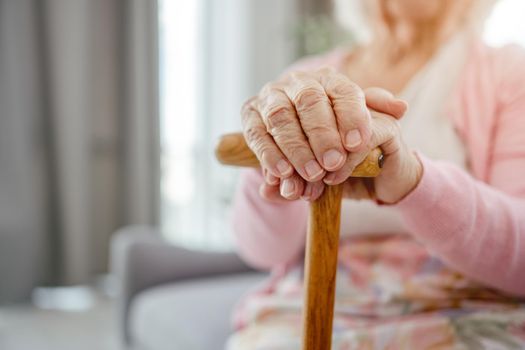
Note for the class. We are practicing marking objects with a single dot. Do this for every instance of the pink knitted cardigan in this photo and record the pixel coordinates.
(474, 221)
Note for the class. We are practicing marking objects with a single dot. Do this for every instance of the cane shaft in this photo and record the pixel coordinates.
(320, 269)
(321, 245)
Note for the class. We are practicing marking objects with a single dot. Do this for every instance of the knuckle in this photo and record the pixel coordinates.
(297, 152)
(278, 115)
(262, 149)
(292, 144)
(247, 115)
(392, 126)
(248, 106)
(245, 118)
(271, 87)
(395, 127)
(266, 154)
(268, 87)
(326, 70)
(254, 133)
(297, 75)
(309, 97)
(345, 88)
(321, 130)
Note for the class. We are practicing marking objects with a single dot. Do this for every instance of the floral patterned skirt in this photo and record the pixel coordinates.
(391, 294)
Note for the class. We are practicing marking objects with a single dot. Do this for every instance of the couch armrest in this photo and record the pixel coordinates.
(141, 258)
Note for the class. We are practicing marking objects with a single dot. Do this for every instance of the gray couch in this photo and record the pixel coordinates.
(174, 298)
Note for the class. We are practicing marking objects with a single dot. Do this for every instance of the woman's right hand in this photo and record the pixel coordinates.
(308, 124)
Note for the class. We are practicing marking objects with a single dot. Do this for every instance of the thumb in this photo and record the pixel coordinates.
(383, 101)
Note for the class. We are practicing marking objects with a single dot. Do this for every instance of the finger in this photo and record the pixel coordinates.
(262, 143)
(271, 193)
(353, 117)
(385, 130)
(383, 101)
(282, 124)
(317, 120)
(340, 176)
(269, 178)
(292, 187)
(313, 190)
(386, 133)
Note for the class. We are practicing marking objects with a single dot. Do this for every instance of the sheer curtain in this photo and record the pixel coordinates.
(78, 132)
(224, 52)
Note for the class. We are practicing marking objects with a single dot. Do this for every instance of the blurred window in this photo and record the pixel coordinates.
(213, 56)
(179, 32)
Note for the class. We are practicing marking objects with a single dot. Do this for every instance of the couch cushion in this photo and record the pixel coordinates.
(194, 314)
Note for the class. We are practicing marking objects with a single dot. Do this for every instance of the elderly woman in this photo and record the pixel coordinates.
(433, 252)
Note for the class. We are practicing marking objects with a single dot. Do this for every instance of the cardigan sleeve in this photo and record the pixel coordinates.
(479, 228)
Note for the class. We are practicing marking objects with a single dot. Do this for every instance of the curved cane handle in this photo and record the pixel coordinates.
(233, 150)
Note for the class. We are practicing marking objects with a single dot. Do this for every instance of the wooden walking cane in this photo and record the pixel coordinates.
(321, 245)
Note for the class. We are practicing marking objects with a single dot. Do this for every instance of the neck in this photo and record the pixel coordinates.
(398, 38)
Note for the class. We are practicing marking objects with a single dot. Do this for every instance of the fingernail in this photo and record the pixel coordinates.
(353, 138)
(313, 169)
(284, 168)
(332, 159)
(403, 105)
(401, 102)
(287, 188)
(307, 193)
(329, 179)
(271, 180)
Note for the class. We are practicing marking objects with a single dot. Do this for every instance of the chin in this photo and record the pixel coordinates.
(413, 10)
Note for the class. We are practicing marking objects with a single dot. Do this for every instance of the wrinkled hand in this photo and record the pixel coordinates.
(312, 129)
